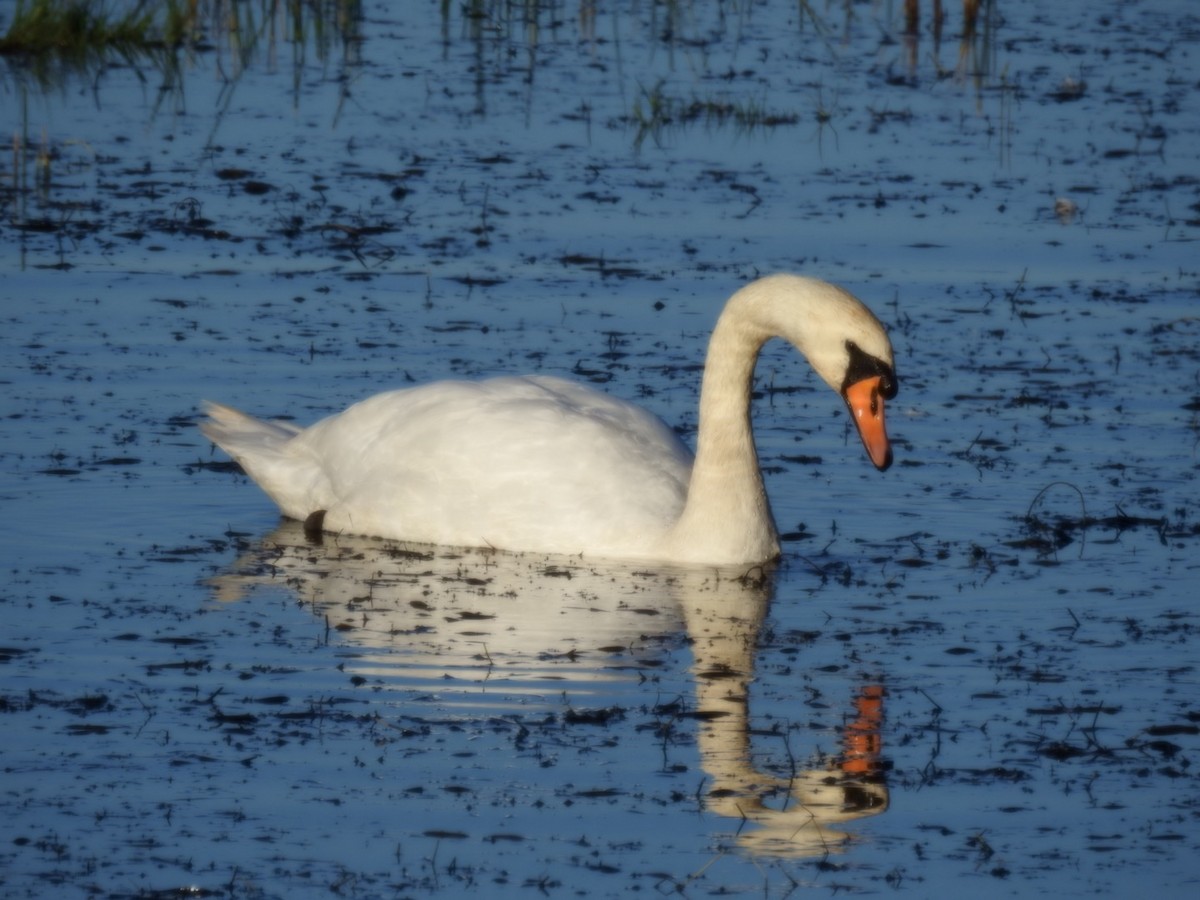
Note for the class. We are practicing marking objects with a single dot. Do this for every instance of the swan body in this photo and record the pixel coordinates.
(542, 463)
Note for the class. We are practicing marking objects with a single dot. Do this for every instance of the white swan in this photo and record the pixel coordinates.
(540, 463)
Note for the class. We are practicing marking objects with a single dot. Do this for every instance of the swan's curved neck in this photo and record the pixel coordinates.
(728, 517)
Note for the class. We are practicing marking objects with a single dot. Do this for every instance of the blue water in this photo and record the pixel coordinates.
(194, 701)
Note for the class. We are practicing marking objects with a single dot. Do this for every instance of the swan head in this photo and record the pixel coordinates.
(844, 342)
(868, 382)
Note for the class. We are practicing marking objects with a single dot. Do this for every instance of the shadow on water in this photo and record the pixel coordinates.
(489, 631)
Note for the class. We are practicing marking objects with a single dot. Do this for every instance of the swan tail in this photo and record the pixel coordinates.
(265, 450)
(234, 431)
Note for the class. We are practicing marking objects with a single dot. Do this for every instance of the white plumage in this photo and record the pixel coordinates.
(541, 463)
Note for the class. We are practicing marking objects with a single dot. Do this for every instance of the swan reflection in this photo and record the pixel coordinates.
(485, 629)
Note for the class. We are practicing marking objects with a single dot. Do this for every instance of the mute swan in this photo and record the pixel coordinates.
(543, 464)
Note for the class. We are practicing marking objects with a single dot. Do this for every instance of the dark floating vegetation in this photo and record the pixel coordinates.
(78, 30)
(75, 30)
(52, 40)
(655, 112)
(1005, 629)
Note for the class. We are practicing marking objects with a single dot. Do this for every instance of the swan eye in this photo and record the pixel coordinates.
(862, 365)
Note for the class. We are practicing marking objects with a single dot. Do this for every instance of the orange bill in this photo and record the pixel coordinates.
(862, 738)
(866, 408)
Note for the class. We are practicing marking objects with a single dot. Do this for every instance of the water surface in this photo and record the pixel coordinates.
(971, 673)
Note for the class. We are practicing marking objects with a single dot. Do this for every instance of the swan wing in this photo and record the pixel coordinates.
(534, 463)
